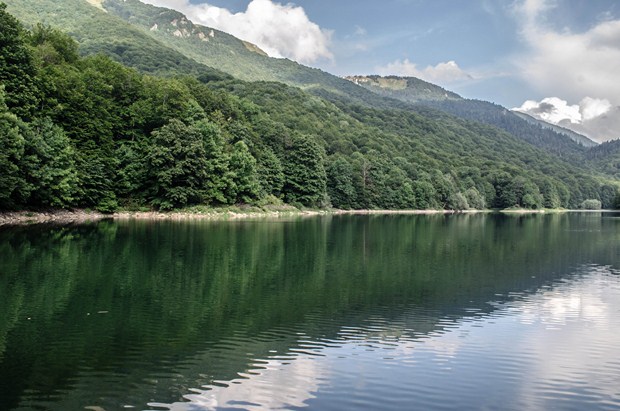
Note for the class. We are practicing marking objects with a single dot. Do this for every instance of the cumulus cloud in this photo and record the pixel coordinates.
(280, 30)
(565, 63)
(442, 73)
(592, 117)
(578, 66)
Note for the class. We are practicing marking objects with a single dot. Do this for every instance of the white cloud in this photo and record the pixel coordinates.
(280, 30)
(592, 108)
(595, 118)
(442, 73)
(578, 66)
(552, 110)
(569, 64)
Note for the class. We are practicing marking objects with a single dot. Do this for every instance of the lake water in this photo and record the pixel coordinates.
(330, 313)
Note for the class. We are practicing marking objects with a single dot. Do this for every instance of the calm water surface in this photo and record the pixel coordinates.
(351, 312)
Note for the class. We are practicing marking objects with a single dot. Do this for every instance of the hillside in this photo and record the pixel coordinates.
(412, 90)
(89, 132)
(579, 138)
(606, 157)
(133, 32)
(409, 89)
(148, 28)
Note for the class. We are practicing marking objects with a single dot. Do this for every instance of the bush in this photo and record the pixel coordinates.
(590, 204)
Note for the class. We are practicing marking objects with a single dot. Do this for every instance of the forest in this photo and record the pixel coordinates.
(90, 132)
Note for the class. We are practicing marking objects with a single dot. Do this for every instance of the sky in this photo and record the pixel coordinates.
(558, 60)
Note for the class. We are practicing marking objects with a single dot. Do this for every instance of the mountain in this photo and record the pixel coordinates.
(579, 138)
(409, 89)
(179, 133)
(132, 32)
(412, 90)
(606, 157)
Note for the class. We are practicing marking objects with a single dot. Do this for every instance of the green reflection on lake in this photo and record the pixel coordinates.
(133, 312)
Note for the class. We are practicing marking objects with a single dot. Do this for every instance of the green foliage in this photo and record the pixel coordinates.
(176, 166)
(49, 166)
(12, 183)
(340, 184)
(270, 173)
(616, 203)
(52, 46)
(590, 204)
(244, 175)
(17, 69)
(474, 199)
(217, 184)
(305, 178)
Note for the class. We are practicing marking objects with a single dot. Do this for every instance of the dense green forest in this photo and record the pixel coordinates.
(90, 132)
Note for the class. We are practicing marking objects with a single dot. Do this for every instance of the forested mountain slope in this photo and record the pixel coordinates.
(579, 138)
(140, 29)
(90, 132)
(413, 90)
(606, 157)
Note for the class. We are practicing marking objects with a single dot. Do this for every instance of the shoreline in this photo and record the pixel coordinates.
(85, 216)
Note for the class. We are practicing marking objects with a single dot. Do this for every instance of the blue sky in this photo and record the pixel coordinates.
(563, 56)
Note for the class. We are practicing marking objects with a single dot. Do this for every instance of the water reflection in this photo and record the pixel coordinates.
(555, 349)
(356, 312)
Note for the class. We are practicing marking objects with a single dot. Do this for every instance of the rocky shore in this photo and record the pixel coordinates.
(84, 216)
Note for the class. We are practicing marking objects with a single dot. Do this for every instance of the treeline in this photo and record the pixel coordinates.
(90, 132)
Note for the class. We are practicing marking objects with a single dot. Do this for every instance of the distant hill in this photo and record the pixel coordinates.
(413, 90)
(579, 138)
(409, 89)
(606, 157)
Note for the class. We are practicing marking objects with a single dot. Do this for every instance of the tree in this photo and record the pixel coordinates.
(551, 196)
(52, 46)
(616, 204)
(340, 186)
(270, 173)
(305, 178)
(217, 184)
(12, 141)
(590, 204)
(176, 166)
(17, 69)
(48, 165)
(475, 199)
(243, 169)
(446, 191)
(608, 196)
(424, 193)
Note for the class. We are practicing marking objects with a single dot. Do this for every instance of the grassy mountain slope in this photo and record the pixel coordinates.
(134, 33)
(97, 31)
(409, 89)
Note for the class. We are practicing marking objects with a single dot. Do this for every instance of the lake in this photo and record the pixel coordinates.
(390, 312)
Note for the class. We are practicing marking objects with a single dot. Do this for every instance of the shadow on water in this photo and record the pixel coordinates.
(140, 312)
